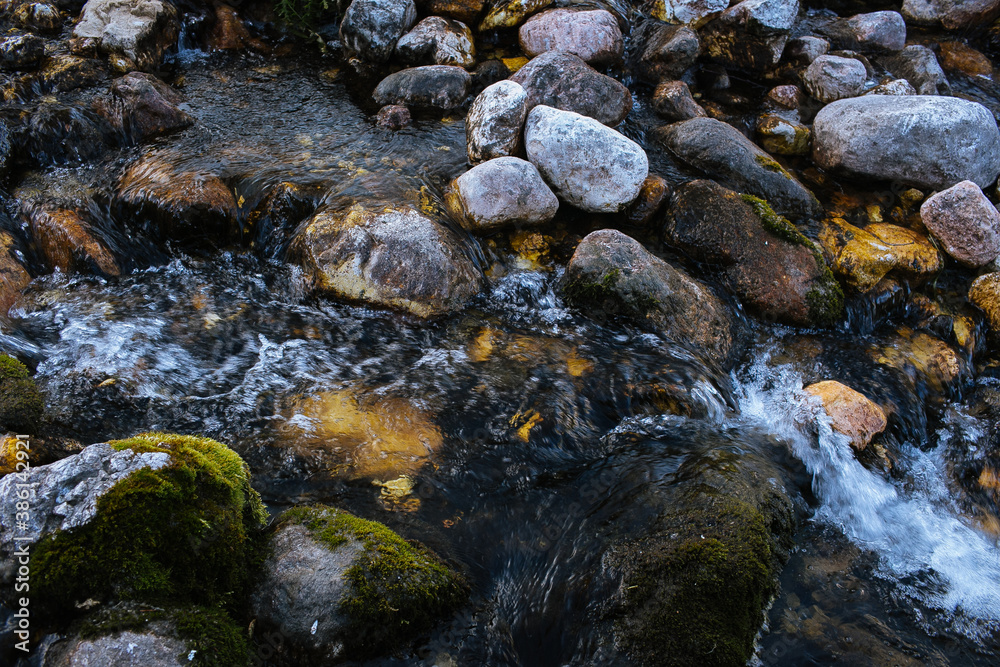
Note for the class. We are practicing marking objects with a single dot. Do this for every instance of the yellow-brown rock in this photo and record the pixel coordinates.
(959, 57)
(512, 13)
(67, 243)
(13, 276)
(851, 412)
(985, 295)
(865, 256)
(923, 358)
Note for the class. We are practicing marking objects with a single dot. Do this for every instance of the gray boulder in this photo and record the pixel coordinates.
(430, 86)
(593, 35)
(750, 35)
(872, 32)
(493, 126)
(564, 81)
(140, 30)
(588, 164)
(438, 41)
(124, 649)
(723, 152)
(965, 222)
(951, 14)
(389, 257)
(371, 28)
(926, 141)
(831, 78)
(613, 274)
(667, 52)
(503, 191)
(918, 65)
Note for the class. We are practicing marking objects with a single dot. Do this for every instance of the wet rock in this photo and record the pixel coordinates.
(150, 649)
(593, 35)
(39, 17)
(723, 152)
(654, 193)
(21, 404)
(430, 86)
(750, 35)
(336, 586)
(181, 509)
(668, 52)
(68, 244)
(466, 11)
(393, 117)
(960, 57)
(774, 270)
(687, 11)
(564, 81)
(13, 276)
(851, 413)
(785, 97)
(928, 363)
(488, 73)
(511, 13)
(277, 215)
(894, 87)
(612, 274)
(388, 257)
(951, 14)
(140, 106)
(782, 137)
(965, 222)
(918, 65)
(985, 295)
(500, 192)
(437, 41)
(807, 49)
(63, 135)
(20, 52)
(371, 28)
(869, 33)
(926, 141)
(181, 205)
(865, 256)
(831, 78)
(493, 126)
(141, 30)
(672, 100)
(62, 73)
(229, 34)
(588, 164)
(5, 151)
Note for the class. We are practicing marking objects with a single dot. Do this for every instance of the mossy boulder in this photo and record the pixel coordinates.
(160, 518)
(337, 586)
(776, 271)
(21, 404)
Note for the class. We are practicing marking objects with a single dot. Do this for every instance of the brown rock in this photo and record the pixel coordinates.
(785, 97)
(229, 34)
(985, 294)
(13, 277)
(141, 106)
(466, 11)
(965, 222)
(68, 244)
(673, 101)
(393, 117)
(593, 35)
(653, 194)
(959, 57)
(865, 256)
(851, 413)
(39, 17)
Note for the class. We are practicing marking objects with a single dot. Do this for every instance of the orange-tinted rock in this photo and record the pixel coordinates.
(229, 33)
(13, 276)
(959, 57)
(851, 412)
(65, 240)
(655, 191)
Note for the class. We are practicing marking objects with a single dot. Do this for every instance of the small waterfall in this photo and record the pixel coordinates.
(923, 544)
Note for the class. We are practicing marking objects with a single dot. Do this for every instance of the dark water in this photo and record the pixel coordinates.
(518, 438)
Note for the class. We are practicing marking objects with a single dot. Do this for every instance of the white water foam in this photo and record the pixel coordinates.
(923, 545)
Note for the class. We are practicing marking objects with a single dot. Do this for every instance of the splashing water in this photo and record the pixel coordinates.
(923, 545)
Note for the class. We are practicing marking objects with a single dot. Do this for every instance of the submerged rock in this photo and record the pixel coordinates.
(19, 52)
(388, 257)
(430, 86)
(588, 164)
(926, 141)
(63, 135)
(500, 192)
(21, 404)
(68, 244)
(774, 270)
(13, 276)
(393, 117)
(180, 509)
(965, 222)
(564, 81)
(371, 28)
(336, 586)
(865, 256)
(592, 34)
(782, 137)
(667, 52)
(985, 295)
(831, 78)
(612, 274)
(493, 126)
(722, 151)
(438, 41)
(141, 106)
(750, 35)
(140, 30)
(851, 413)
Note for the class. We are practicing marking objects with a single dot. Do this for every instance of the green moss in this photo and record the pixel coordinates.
(772, 165)
(304, 16)
(606, 297)
(697, 593)
(398, 588)
(775, 224)
(186, 533)
(21, 404)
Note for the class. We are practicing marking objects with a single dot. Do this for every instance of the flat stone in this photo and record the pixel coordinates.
(865, 256)
(965, 222)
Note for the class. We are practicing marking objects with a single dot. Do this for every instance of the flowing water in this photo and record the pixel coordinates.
(534, 437)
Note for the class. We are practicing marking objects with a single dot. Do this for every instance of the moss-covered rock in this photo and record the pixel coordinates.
(339, 586)
(21, 404)
(159, 518)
